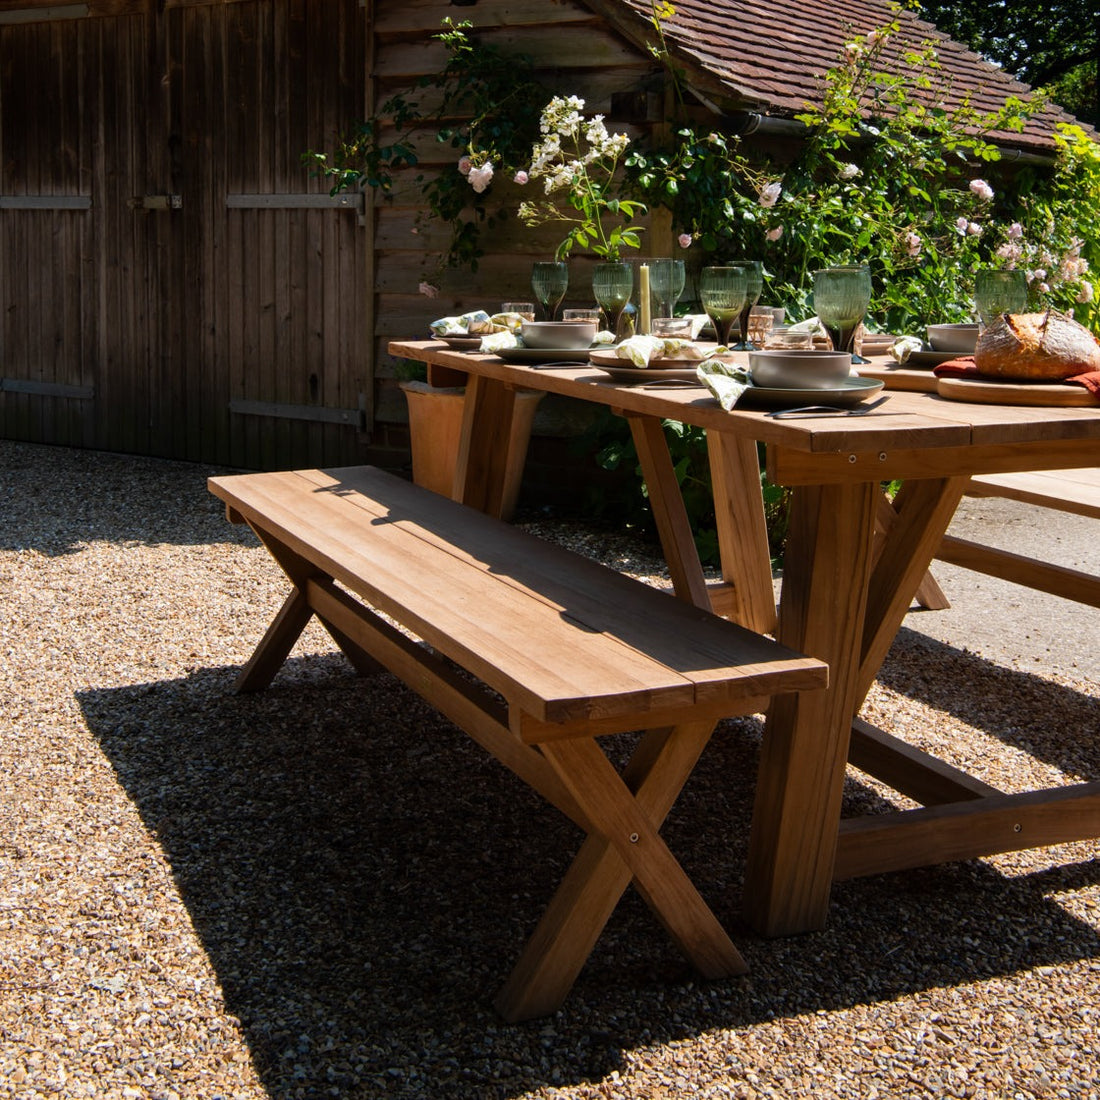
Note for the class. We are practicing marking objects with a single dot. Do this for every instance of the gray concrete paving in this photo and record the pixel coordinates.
(1006, 622)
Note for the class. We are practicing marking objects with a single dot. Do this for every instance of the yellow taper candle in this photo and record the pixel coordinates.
(644, 319)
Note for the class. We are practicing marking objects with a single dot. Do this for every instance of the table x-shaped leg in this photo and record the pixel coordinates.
(625, 813)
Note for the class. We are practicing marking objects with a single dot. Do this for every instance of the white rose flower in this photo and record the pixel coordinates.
(480, 177)
(769, 195)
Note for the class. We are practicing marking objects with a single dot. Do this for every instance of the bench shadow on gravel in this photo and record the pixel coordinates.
(362, 876)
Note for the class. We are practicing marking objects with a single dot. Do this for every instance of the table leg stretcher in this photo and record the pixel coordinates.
(535, 652)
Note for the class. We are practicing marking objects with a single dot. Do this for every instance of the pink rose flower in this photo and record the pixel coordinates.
(464, 165)
(775, 234)
(685, 240)
(981, 189)
(520, 177)
(428, 290)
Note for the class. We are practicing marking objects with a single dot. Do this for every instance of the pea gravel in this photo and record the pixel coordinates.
(315, 891)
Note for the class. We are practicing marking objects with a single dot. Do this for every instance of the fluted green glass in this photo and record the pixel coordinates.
(997, 292)
(549, 282)
(841, 298)
(722, 293)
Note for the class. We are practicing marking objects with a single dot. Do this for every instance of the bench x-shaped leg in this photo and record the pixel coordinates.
(290, 621)
(624, 814)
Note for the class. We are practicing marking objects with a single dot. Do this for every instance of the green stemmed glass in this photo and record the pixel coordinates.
(549, 282)
(612, 284)
(997, 292)
(666, 284)
(841, 298)
(754, 284)
(722, 293)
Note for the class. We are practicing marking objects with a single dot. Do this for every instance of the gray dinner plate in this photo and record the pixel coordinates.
(543, 355)
(850, 392)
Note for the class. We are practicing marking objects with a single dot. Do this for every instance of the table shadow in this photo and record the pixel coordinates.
(1012, 705)
(362, 876)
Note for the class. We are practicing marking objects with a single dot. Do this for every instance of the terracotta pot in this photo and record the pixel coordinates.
(435, 425)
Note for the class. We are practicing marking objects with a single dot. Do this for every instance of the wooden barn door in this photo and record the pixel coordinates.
(172, 282)
(273, 266)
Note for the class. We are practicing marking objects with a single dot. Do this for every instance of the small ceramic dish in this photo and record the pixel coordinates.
(557, 334)
(801, 369)
(957, 338)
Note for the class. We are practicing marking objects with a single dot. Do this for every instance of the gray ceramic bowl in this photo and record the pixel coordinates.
(558, 335)
(800, 369)
(960, 338)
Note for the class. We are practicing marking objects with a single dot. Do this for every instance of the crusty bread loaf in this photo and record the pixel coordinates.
(1039, 346)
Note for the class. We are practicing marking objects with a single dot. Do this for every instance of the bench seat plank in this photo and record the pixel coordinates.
(1076, 491)
(511, 608)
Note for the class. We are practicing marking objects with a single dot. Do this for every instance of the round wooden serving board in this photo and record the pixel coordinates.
(1015, 393)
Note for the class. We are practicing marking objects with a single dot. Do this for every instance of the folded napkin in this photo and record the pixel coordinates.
(642, 350)
(726, 381)
(498, 341)
(903, 347)
(468, 324)
(965, 367)
(960, 367)
(698, 323)
(507, 322)
(811, 324)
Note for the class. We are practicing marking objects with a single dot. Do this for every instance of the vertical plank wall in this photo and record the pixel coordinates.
(240, 327)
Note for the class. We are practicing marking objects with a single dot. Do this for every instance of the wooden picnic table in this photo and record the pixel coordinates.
(843, 598)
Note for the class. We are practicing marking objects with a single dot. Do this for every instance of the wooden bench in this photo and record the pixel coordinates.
(1075, 491)
(535, 652)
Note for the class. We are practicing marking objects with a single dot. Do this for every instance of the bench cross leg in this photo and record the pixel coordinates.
(627, 811)
(292, 618)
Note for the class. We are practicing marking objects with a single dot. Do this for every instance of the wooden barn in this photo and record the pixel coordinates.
(175, 282)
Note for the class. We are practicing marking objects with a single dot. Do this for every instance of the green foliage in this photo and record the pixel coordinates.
(895, 175)
(494, 94)
(1050, 43)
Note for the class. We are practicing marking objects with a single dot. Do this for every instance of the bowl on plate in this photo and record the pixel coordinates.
(799, 370)
(558, 335)
(960, 338)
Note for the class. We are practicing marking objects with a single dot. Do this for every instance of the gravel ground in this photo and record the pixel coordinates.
(314, 892)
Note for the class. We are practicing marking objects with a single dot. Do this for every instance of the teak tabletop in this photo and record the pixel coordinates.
(843, 598)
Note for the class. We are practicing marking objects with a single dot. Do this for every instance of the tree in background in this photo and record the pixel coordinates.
(1049, 44)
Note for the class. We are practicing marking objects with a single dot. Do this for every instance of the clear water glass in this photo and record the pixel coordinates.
(722, 292)
(997, 292)
(549, 282)
(666, 284)
(841, 298)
